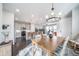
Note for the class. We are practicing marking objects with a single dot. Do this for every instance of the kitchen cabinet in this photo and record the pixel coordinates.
(6, 49)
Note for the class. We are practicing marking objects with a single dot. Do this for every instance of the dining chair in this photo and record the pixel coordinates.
(60, 50)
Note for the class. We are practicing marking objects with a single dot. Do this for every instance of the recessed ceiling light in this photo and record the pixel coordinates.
(46, 16)
(17, 10)
(32, 15)
(59, 13)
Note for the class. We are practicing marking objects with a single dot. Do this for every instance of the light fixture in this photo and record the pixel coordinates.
(17, 10)
(54, 16)
(52, 13)
(60, 14)
(32, 15)
(46, 17)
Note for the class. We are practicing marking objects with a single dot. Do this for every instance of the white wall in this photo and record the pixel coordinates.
(66, 26)
(0, 22)
(0, 16)
(8, 18)
(65, 8)
(32, 27)
(69, 26)
(75, 21)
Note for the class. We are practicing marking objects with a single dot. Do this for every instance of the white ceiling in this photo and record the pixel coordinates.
(39, 10)
(65, 8)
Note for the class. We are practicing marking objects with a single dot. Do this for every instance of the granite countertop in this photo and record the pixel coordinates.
(3, 43)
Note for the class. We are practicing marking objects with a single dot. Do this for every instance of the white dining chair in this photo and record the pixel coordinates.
(60, 51)
(64, 46)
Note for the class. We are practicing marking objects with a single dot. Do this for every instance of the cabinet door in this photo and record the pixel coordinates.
(5, 50)
(0, 51)
(22, 26)
(28, 26)
(17, 26)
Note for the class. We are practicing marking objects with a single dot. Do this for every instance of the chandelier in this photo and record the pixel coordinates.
(53, 17)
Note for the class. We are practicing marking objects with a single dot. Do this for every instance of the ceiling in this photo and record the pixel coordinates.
(38, 10)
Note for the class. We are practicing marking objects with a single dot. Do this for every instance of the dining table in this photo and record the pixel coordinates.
(48, 45)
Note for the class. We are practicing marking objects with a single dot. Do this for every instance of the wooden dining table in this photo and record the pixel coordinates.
(49, 45)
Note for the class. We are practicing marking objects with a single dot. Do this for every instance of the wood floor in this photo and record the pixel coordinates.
(19, 46)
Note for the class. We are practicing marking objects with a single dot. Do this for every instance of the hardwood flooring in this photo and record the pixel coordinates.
(19, 45)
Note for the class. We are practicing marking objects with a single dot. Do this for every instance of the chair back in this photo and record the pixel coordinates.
(64, 46)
